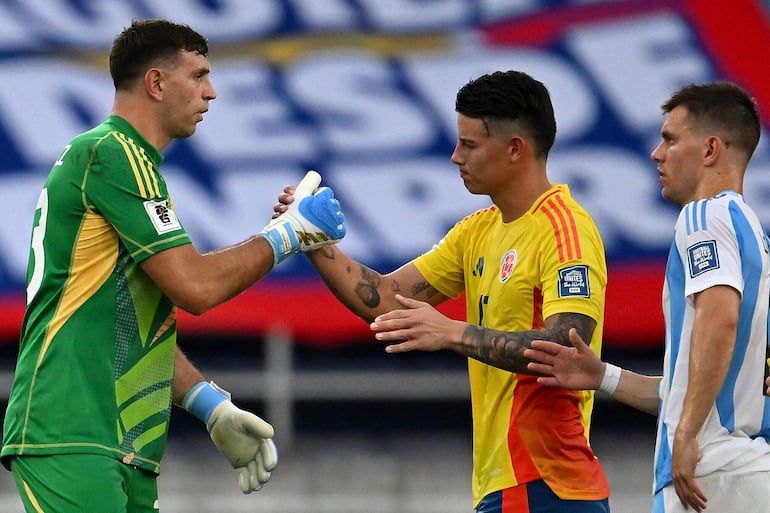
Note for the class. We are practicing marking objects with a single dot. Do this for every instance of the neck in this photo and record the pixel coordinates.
(519, 195)
(143, 118)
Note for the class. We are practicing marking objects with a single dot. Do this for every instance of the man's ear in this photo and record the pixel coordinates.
(713, 148)
(516, 146)
(153, 83)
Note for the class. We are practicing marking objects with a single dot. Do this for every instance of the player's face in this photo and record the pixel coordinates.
(188, 95)
(483, 160)
(679, 157)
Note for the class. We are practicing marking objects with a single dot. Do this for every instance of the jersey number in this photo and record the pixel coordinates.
(483, 301)
(38, 234)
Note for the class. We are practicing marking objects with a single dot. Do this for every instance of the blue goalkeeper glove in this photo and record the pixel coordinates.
(313, 220)
(242, 437)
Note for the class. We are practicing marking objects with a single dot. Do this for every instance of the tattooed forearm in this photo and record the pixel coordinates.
(505, 350)
(366, 289)
(424, 287)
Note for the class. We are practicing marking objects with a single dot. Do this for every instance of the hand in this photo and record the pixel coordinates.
(767, 385)
(246, 441)
(576, 367)
(310, 219)
(423, 327)
(684, 457)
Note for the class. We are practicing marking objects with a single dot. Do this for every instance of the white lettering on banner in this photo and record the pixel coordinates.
(437, 79)
(406, 206)
(39, 86)
(619, 190)
(417, 14)
(357, 104)
(230, 19)
(250, 119)
(12, 30)
(324, 14)
(650, 58)
(93, 25)
(243, 204)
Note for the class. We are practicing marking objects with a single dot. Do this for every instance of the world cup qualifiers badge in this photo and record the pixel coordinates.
(702, 257)
(573, 282)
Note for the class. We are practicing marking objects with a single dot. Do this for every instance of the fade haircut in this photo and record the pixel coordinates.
(147, 43)
(511, 96)
(722, 107)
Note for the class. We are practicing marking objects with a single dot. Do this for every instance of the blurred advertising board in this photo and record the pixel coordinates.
(363, 91)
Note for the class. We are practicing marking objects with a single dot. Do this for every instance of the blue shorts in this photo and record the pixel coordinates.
(537, 497)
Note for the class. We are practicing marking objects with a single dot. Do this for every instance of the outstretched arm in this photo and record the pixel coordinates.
(422, 328)
(364, 291)
(579, 368)
(197, 282)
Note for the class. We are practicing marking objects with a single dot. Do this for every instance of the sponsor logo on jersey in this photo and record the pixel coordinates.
(702, 257)
(508, 264)
(573, 281)
(162, 216)
(479, 269)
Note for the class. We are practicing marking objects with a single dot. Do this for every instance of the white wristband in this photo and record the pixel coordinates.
(610, 379)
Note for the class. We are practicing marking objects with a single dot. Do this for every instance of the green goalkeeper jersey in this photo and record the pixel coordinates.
(96, 357)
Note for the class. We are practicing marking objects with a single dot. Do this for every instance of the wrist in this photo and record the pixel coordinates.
(203, 398)
(610, 379)
(282, 239)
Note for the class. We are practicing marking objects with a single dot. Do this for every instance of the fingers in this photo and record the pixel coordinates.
(577, 340)
(247, 478)
(257, 472)
(285, 199)
(269, 453)
(690, 494)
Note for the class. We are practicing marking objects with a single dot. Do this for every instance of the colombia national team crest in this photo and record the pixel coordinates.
(508, 264)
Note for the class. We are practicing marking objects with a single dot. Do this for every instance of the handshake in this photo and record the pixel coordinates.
(314, 219)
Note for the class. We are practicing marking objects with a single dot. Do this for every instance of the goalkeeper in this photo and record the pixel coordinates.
(110, 262)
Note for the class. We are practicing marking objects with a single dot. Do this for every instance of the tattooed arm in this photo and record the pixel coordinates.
(417, 326)
(505, 349)
(366, 292)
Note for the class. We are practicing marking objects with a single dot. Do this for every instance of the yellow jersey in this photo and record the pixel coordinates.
(549, 261)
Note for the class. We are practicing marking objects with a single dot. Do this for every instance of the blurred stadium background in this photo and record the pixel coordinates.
(363, 91)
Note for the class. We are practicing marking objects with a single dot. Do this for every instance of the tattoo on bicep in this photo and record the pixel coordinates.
(366, 289)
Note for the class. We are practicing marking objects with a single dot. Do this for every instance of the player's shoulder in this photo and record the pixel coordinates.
(481, 216)
(558, 205)
(700, 211)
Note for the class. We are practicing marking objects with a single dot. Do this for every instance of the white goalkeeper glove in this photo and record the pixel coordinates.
(313, 220)
(242, 437)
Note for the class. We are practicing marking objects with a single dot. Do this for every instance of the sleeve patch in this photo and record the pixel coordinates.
(702, 257)
(162, 216)
(573, 282)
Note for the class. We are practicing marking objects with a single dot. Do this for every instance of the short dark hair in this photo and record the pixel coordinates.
(148, 42)
(511, 96)
(723, 107)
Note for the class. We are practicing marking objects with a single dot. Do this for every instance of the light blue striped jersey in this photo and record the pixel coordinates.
(718, 241)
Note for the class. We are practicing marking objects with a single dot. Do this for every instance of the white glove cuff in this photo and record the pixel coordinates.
(610, 379)
(201, 399)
